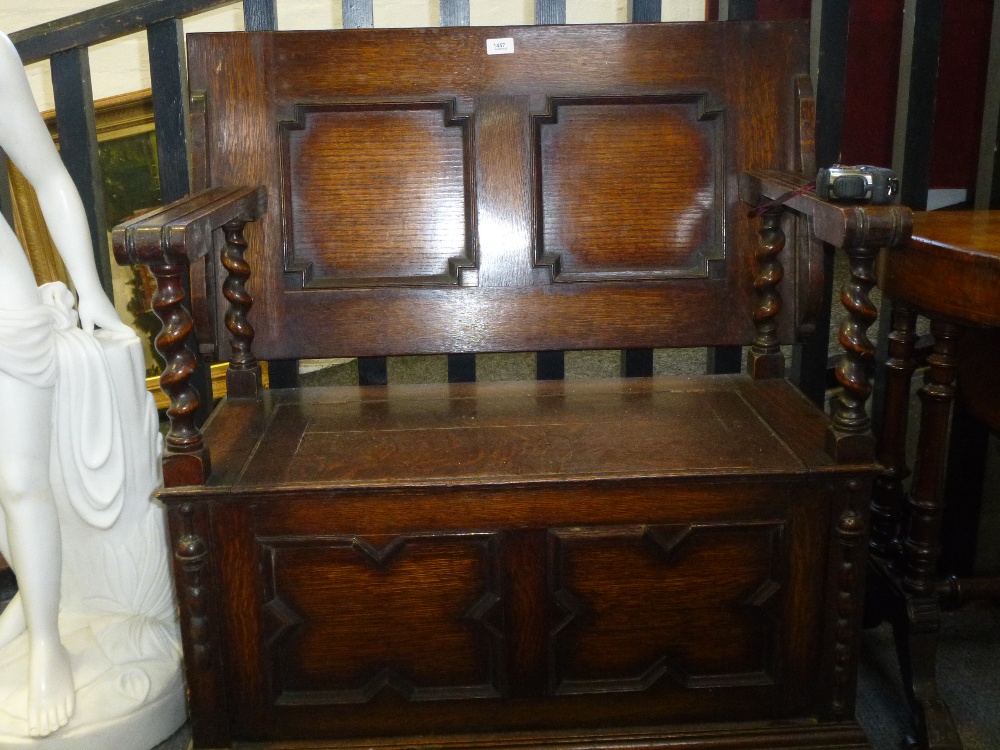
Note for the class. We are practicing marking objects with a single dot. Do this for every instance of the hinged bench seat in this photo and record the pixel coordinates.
(499, 433)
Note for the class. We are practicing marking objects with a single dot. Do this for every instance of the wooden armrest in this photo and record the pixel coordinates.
(169, 240)
(840, 224)
(860, 229)
(181, 232)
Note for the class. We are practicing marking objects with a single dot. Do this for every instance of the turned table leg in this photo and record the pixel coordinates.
(917, 632)
(888, 494)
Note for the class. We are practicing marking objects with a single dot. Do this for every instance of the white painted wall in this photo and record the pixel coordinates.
(121, 66)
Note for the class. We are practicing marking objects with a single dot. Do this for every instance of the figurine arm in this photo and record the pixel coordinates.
(26, 140)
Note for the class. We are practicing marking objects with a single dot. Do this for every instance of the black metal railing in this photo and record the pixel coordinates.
(65, 43)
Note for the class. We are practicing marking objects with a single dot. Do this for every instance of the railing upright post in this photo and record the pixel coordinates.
(260, 15)
(358, 14)
(737, 10)
(77, 127)
(168, 73)
(915, 100)
(6, 202)
(829, 67)
(455, 13)
(645, 11)
(988, 174)
(550, 11)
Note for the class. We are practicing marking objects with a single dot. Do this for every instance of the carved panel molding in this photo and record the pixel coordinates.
(347, 617)
(714, 583)
(376, 194)
(658, 165)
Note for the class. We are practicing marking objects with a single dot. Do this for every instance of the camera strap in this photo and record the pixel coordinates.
(780, 200)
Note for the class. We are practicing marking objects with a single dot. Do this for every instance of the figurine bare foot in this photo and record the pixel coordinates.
(12, 620)
(51, 694)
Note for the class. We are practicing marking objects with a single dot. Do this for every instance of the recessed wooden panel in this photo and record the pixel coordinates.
(631, 188)
(349, 617)
(695, 605)
(375, 195)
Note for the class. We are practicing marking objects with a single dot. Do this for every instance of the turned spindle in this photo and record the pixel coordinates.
(186, 458)
(243, 380)
(765, 360)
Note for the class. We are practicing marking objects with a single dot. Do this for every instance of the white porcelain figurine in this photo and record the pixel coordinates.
(89, 646)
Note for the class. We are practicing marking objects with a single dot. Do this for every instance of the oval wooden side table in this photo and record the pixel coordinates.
(950, 273)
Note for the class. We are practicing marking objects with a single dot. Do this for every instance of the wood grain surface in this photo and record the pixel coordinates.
(641, 562)
(587, 202)
(951, 266)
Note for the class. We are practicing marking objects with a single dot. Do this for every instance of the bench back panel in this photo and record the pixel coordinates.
(425, 196)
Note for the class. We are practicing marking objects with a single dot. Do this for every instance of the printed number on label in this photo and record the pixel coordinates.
(500, 46)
